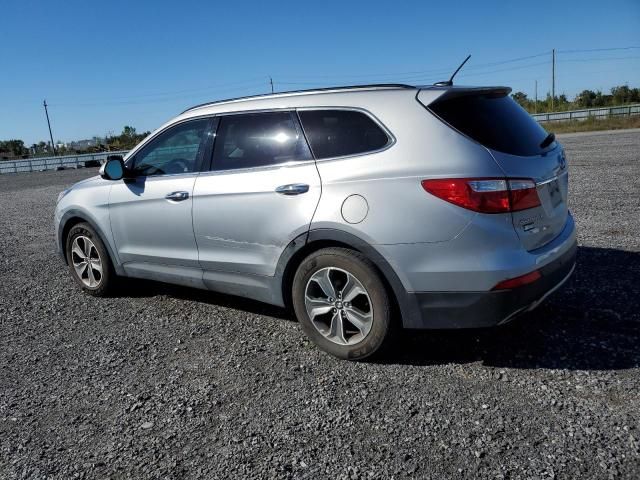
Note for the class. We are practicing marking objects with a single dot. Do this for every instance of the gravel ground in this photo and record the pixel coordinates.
(176, 383)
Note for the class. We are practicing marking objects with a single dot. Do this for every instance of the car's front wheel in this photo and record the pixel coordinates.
(342, 303)
(89, 261)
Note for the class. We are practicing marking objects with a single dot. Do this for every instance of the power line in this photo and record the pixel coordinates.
(597, 49)
(439, 70)
(233, 86)
(476, 74)
(599, 59)
(369, 75)
(333, 79)
(519, 67)
(157, 100)
(510, 61)
(463, 73)
(419, 74)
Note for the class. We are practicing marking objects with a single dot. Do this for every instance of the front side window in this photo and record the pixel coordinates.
(176, 150)
(257, 140)
(336, 133)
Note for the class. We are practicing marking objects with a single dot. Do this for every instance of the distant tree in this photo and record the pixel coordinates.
(12, 149)
(600, 100)
(128, 139)
(521, 98)
(62, 149)
(128, 132)
(585, 98)
(623, 94)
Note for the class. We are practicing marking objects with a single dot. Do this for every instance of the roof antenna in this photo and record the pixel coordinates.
(449, 82)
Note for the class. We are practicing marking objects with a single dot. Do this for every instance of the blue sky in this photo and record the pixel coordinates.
(102, 65)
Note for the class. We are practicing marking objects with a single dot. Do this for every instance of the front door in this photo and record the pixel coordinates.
(151, 213)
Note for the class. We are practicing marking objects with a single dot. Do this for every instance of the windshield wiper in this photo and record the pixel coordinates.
(548, 140)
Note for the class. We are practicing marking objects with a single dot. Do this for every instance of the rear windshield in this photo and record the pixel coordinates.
(495, 121)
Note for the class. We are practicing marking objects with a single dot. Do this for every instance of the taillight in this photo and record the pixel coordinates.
(523, 194)
(518, 281)
(486, 195)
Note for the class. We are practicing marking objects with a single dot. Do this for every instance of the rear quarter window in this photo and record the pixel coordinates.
(495, 121)
(336, 133)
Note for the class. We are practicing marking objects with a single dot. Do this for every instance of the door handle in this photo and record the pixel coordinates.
(293, 189)
(177, 196)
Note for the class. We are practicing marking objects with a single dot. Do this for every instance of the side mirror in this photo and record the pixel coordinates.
(113, 168)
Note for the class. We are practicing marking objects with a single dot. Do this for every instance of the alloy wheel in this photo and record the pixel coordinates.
(86, 261)
(338, 306)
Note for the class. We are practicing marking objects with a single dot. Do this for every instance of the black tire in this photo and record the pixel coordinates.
(108, 277)
(366, 273)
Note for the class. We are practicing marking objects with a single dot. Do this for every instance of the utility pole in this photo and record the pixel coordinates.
(535, 109)
(271, 81)
(553, 77)
(46, 112)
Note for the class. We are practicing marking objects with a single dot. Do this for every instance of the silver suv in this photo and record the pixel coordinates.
(363, 208)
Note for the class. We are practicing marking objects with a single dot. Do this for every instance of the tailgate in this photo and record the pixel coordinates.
(537, 226)
(520, 146)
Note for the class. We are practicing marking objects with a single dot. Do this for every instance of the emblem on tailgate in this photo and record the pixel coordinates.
(528, 224)
(562, 160)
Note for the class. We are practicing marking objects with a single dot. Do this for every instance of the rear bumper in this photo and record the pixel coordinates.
(487, 309)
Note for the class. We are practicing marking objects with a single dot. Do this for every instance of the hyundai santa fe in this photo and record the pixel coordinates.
(364, 209)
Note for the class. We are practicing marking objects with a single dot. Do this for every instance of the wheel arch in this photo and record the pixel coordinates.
(74, 217)
(317, 239)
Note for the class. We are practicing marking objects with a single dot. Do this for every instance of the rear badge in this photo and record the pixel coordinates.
(562, 160)
(529, 224)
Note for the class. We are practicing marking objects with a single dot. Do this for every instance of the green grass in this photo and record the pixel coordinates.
(592, 124)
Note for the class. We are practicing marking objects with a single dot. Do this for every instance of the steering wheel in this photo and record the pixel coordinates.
(177, 165)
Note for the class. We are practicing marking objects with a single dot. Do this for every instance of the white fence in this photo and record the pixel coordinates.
(602, 112)
(53, 163)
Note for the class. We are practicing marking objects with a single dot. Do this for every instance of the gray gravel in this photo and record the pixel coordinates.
(176, 383)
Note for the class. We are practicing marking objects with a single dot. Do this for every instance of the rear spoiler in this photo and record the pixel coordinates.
(430, 94)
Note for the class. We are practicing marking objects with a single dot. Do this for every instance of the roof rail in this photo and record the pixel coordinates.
(322, 89)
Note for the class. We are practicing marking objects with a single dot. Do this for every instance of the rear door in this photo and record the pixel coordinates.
(260, 193)
(517, 143)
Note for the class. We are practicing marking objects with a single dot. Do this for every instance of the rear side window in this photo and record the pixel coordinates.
(257, 140)
(335, 133)
(497, 122)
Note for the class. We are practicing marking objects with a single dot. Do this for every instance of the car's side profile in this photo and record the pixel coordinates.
(363, 208)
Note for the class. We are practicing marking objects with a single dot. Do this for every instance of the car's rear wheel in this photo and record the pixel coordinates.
(342, 303)
(89, 261)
